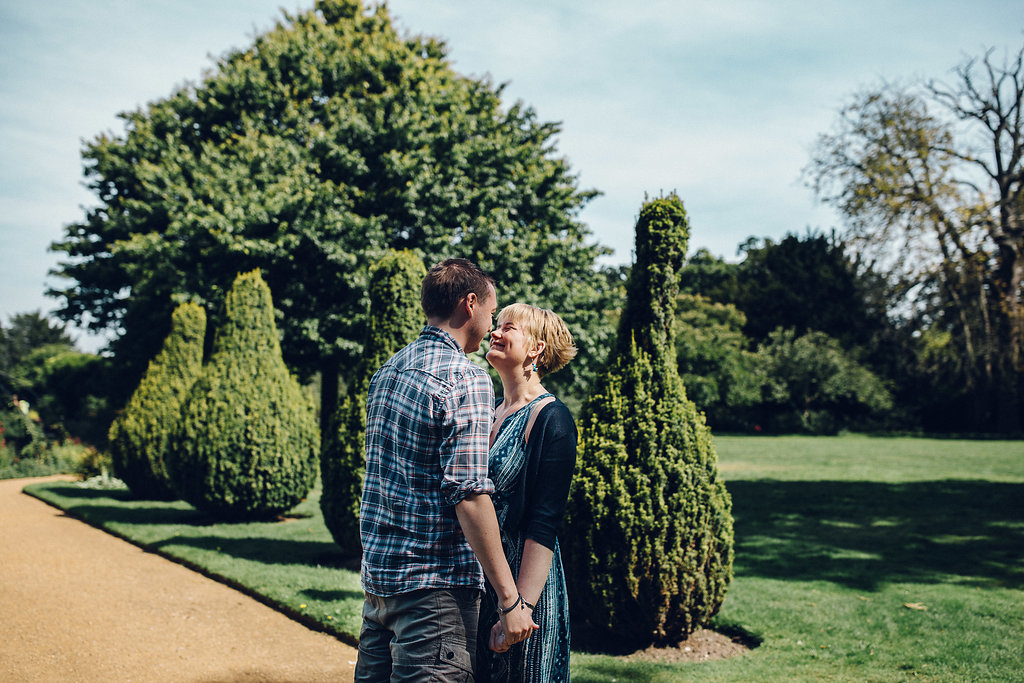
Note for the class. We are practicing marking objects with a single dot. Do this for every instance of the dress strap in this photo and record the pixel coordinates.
(542, 396)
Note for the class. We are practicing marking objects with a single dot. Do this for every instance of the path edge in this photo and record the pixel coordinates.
(304, 619)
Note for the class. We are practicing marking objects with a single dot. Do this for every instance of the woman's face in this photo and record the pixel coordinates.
(509, 344)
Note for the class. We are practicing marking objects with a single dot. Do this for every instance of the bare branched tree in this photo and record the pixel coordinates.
(931, 178)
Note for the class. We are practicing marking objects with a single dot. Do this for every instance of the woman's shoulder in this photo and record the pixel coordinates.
(556, 414)
(554, 404)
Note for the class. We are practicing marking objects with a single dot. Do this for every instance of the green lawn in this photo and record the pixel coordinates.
(857, 559)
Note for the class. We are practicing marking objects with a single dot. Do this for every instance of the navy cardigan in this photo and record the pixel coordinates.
(537, 503)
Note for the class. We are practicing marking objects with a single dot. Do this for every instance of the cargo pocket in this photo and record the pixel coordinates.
(454, 661)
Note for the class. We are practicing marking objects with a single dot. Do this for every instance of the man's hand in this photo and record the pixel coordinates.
(497, 639)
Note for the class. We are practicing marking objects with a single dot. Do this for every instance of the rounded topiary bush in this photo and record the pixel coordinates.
(248, 441)
(649, 546)
(142, 436)
(394, 319)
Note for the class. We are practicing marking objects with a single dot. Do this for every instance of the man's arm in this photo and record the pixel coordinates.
(533, 574)
(479, 524)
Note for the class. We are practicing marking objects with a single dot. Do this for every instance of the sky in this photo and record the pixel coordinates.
(720, 101)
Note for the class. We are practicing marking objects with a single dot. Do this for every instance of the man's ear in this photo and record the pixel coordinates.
(470, 302)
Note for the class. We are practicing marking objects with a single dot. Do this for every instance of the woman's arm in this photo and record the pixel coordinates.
(533, 571)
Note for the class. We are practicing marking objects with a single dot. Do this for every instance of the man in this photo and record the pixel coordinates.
(426, 520)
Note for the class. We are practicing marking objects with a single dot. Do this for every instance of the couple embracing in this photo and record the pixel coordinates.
(463, 495)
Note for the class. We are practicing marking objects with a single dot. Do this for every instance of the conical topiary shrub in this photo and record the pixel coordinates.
(142, 436)
(395, 318)
(249, 440)
(650, 544)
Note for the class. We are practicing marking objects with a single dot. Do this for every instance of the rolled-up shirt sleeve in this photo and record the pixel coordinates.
(468, 411)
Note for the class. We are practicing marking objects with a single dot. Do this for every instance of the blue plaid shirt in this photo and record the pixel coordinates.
(428, 418)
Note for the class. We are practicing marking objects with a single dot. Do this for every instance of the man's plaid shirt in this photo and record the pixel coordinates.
(428, 419)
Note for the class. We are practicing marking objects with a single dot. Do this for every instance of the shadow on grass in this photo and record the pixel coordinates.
(259, 549)
(118, 506)
(605, 672)
(120, 513)
(76, 492)
(861, 534)
(149, 515)
(332, 596)
(269, 551)
(128, 509)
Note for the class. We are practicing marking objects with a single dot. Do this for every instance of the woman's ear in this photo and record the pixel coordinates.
(539, 349)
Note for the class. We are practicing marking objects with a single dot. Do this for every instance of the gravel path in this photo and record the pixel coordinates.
(77, 604)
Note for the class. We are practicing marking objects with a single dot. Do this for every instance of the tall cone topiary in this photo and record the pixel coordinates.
(395, 318)
(142, 436)
(249, 438)
(650, 543)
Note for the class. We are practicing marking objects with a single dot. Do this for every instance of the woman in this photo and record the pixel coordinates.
(533, 453)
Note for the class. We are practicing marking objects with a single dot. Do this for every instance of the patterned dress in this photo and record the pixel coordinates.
(544, 656)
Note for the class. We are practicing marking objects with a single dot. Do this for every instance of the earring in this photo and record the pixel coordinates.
(535, 366)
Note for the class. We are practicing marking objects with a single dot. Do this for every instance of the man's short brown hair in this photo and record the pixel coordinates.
(447, 283)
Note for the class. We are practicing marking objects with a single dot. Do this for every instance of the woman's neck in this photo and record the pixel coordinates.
(518, 389)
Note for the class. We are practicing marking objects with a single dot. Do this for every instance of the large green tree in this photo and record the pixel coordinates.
(813, 287)
(930, 178)
(307, 154)
(809, 282)
(650, 544)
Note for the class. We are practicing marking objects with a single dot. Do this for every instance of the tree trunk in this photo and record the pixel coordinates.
(1008, 348)
(328, 394)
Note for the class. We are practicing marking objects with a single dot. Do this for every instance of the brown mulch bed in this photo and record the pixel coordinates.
(702, 646)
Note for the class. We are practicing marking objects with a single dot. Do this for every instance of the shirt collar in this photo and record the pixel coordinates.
(441, 336)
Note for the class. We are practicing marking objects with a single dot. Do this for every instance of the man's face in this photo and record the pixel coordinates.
(482, 320)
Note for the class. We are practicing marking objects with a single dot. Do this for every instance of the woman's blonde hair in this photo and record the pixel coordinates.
(543, 325)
